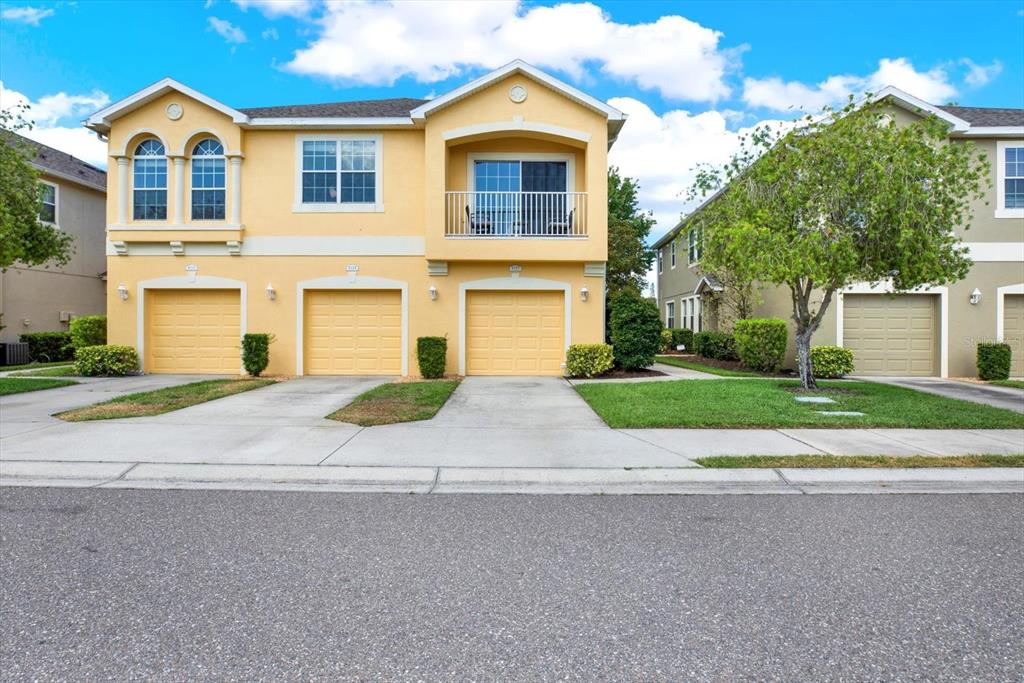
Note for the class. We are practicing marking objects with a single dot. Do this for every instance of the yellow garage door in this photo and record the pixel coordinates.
(515, 333)
(891, 335)
(193, 331)
(353, 332)
(1013, 331)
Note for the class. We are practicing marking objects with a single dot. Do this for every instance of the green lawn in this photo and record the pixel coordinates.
(61, 371)
(161, 400)
(1012, 383)
(749, 403)
(19, 385)
(30, 366)
(710, 369)
(860, 461)
(401, 402)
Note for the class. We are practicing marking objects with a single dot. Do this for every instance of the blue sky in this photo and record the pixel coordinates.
(690, 74)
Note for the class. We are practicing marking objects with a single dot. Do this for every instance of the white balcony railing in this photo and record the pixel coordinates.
(515, 214)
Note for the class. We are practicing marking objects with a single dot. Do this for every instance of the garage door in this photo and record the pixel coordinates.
(193, 331)
(1013, 331)
(515, 333)
(891, 335)
(353, 332)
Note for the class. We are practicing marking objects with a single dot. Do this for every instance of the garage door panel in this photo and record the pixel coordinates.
(1013, 331)
(891, 335)
(193, 331)
(353, 332)
(515, 333)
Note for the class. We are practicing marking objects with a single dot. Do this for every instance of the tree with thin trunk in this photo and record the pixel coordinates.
(845, 197)
(629, 257)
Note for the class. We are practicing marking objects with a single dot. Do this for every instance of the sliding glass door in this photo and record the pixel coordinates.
(520, 197)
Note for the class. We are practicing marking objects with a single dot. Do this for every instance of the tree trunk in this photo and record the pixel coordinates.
(806, 325)
(803, 359)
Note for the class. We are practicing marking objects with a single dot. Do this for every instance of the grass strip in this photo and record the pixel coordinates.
(1012, 383)
(700, 367)
(162, 401)
(860, 461)
(30, 366)
(62, 371)
(19, 385)
(394, 403)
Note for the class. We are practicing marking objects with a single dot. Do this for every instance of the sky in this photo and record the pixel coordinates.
(692, 76)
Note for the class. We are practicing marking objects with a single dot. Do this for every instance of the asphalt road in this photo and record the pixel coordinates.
(198, 585)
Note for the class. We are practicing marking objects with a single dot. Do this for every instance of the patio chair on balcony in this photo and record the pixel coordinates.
(479, 222)
(563, 226)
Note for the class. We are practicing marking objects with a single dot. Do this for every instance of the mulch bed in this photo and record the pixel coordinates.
(626, 374)
(725, 364)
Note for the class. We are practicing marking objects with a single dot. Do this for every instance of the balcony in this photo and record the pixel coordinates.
(516, 215)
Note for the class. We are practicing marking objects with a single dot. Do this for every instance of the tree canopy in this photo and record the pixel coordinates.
(629, 257)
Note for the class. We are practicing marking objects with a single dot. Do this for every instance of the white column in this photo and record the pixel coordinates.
(122, 190)
(236, 190)
(178, 217)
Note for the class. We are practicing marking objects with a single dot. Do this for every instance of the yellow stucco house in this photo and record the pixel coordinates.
(348, 230)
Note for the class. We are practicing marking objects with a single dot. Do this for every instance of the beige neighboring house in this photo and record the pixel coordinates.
(933, 331)
(44, 299)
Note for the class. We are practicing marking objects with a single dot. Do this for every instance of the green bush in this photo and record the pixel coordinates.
(89, 330)
(589, 360)
(715, 345)
(761, 343)
(106, 360)
(44, 347)
(431, 353)
(666, 340)
(830, 362)
(993, 361)
(684, 338)
(256, 352)
(636, 330)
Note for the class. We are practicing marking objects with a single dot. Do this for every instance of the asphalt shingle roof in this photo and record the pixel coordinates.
(988, 116)
(397, 107)
(51, 159)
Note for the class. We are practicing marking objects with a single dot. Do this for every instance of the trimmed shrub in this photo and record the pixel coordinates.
(830, 362)
(589, 360)
(636, 330)
(106, 360)
(44, 347)
(256, 352)
(761, 343)
(430, 353)
(682, 337)
(667, 338)
(715, 345)
(89, 330)
(993, 361)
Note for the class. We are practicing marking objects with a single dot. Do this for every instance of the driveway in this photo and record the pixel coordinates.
(998, 397)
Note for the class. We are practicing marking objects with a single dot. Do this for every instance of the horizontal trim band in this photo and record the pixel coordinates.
(996, 252)
(293, 246)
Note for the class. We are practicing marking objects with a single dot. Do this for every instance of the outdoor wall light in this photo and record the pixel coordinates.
(584, 293)
(975, 296)
(122, 292)
(271, 292)
(433, 293)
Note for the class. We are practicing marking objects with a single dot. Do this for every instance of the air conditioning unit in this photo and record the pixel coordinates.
(65, 316)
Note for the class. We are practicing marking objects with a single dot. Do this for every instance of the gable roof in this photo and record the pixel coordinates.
(390, 108)
(988, 116)
(100, 121)
(970, 121)
(58, 164)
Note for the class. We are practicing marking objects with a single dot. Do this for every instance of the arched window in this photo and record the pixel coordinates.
(149, 182)
(208, 181)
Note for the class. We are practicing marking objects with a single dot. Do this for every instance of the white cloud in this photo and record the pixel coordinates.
(432, 41)
(57, 125)
(278, 8)
(26, 15)
(980, 74)
(270, 34)
(226, 30)
(774, 93)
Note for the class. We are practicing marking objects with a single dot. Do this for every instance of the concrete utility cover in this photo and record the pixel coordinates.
(814, 399)
(838, 413)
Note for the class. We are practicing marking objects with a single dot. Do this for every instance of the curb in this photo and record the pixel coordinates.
(509, 480)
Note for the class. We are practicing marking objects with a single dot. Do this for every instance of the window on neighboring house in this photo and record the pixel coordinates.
(48, 195)
(149, 182)
(672, 253)
(692, 313)
(661, 260)
(693, 241)
(208, 182)
(340, 171)
(1013, 178)
(670, 314)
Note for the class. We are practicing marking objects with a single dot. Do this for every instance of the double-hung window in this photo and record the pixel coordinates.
(693, 240)
(1010, 180)
(672, 253)
(208, 181)
(149, 182)
(661, 260)
(339, 173)
(670, 314)
(48, 196)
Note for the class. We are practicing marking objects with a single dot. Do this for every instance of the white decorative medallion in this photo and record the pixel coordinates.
(174, 111)
(517, 94)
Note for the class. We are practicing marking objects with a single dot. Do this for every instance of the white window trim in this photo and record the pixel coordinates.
(670, 314)
(569, 159)
(691, 309)
(672, 254)
(166, 188)
(1001, 212)
(56, 204)
(661, 260)
(690, 263)
(1001, 293)
(191, 176)
(365, 207)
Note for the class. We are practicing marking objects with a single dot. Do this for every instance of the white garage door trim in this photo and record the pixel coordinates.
(184, 282)
(511, 283)
(1001, 293)
(349, 282)
(887, 288)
